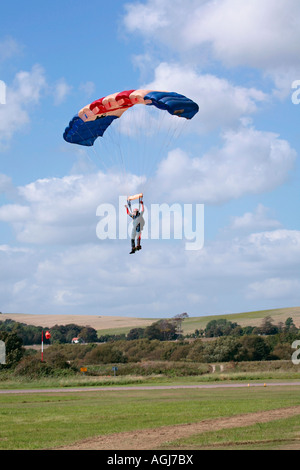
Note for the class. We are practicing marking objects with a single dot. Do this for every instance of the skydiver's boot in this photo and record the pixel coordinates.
(139, 244)
(133, 248)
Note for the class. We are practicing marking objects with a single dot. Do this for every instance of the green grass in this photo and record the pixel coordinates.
(48, 420)
(114, 331)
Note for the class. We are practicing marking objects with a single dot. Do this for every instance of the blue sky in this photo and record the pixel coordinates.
(239, 156)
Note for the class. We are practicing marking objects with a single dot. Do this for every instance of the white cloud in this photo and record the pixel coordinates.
(21, 96)
(5, 183)
(263, 35)
(101, 278)
(147, 18)
(250, 162)
(61, 90)
(257, 220)
(63, 210)
(88, 88)
(9, 47)
(273, 288)
(14, 213)
(257, 34)
(221, 104)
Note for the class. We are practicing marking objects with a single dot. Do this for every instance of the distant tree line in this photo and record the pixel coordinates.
(161, 330)
(224, 343)
(30, 334)
(223, 327)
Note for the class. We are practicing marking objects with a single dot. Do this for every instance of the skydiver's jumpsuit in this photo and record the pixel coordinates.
(138, 223)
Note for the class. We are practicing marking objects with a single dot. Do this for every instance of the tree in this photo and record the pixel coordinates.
(267, 327)
(223, 349)
(254, 348)
(289, 325)
(178, 319)
(88, 334)
(135, 333)
(221, 327)
(163, 330)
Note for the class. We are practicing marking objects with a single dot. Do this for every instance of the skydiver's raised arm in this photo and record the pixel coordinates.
(142, 209)
(128, 211)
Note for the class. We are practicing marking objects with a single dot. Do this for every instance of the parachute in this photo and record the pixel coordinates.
(93, 120)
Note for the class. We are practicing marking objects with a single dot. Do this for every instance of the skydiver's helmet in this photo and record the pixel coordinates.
(136, 213)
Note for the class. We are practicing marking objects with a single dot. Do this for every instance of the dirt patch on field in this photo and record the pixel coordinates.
(154, 439)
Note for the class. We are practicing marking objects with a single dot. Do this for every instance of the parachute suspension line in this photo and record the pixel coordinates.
(173, 131)
(93, 149)
(139, 123)
(109, 151)
(114, 148)
(166, 128)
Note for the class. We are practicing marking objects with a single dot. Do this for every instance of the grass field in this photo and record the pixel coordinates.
(51, 420)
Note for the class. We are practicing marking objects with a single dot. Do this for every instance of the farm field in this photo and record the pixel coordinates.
(171, 419)
(116, 325)
(95, 321)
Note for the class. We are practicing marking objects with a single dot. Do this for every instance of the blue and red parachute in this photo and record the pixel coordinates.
(92, 121)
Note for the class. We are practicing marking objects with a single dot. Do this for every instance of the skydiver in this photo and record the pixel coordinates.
(138, 224)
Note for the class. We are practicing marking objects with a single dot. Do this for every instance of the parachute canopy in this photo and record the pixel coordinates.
(92, 121)
(134, 197)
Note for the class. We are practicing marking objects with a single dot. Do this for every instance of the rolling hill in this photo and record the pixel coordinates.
(114, 325)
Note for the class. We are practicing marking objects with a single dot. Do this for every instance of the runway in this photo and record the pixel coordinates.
(150, 387)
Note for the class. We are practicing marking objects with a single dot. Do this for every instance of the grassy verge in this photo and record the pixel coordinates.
(158, 373)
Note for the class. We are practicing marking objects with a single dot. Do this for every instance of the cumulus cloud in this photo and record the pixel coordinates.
(24, 93)
(221, 103)
(263, 35)
(249, 162)
(256, 34)
(257, 220)
(61, 90)
(63, 210)
(273, 288)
